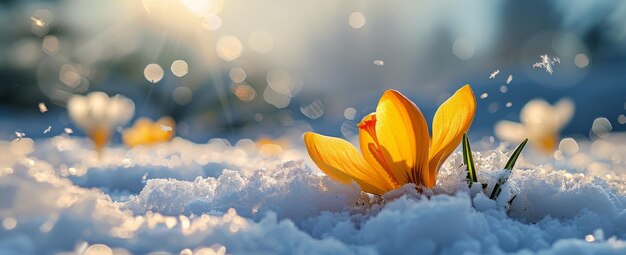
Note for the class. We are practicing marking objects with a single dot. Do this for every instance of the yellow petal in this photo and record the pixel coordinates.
(342, 161)
(146, 132)
(451, 121)
(402, 135)
(372, 152)
(547, 143)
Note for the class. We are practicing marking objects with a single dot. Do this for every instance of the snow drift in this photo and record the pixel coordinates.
(215, 198)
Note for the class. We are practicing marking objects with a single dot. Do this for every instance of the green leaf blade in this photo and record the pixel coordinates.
(468, 160)
(509, 164)
(508, 168)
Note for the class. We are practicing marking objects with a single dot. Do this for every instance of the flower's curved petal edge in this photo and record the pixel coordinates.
(343, 162)
(402, 135)
(453, 118)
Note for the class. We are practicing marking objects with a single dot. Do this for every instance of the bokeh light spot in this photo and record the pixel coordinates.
(463, 48)
(212, 22)
(313, 110)
(153, 73)
(569, 146)
(282, 82)
(357, 20)
(504, 89)
(244, 92)
(98, 249)
(9, 223)
(621, 119)
(229, 48)
(51, 45)
(182, 95)
(581, 60)
(601, 127)
(274, 98)
(179, 68)
(349, 113)
(237, 75)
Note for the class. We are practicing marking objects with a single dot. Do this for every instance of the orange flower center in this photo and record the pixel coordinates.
(369, 125)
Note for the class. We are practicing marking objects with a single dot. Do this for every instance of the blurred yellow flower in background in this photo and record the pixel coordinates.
(396, 148)
(146, 132)
(540, 122)
(97, 114)
(271, 147)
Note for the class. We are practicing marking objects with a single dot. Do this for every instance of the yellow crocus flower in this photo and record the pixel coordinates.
(395, 145)
(97, 114)
(540, 122)
(146, 132)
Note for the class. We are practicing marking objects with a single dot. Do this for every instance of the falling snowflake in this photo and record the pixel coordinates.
(38, 22)
(379, 62)
(547, 63)
(493, 75)
(47, 130)
(144, 178)
(68, 130)
(484, 95)
(19, 135)
(42, 107)
(508, 80)
(166, 128)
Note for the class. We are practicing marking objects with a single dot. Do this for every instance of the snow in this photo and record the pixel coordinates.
(547, 63)
(42, 107)
(19, 135)
(493, 75)
(166, 127)
(58, 196)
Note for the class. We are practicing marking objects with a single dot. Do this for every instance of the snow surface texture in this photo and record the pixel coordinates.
(57, 196)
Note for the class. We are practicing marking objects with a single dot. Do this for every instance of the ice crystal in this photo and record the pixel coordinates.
(19, 135)
(493, 75)
(166, 128)
(547, 63)
(42, 107)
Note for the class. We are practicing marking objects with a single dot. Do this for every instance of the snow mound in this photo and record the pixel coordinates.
(256, 204)
(288, 190)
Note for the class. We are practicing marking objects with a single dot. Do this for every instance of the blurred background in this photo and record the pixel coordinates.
(248, 68)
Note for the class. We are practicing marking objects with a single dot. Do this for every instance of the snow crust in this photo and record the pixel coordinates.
(57, 196)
